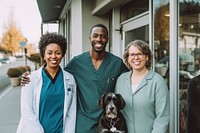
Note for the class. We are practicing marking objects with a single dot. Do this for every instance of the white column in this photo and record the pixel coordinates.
(116, 36)
(76, 23)
(174, 66)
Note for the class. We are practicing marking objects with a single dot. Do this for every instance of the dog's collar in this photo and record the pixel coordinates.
(112, 121)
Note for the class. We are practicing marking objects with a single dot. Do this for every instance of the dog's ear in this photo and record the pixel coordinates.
(121, 101)
(101, 101)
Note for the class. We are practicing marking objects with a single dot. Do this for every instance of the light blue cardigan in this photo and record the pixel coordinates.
(147, 109)
(30, 98)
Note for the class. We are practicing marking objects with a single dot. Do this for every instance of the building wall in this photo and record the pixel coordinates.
(88, 21)
(76, 25)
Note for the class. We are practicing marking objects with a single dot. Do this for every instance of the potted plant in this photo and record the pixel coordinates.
(24, 68)
(14, 74)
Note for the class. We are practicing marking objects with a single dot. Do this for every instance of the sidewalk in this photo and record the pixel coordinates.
(9, 109)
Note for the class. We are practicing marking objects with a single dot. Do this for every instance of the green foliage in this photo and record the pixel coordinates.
(14, 72)
(17, 71)
(34, 58)
(37, 59)
(25, 68)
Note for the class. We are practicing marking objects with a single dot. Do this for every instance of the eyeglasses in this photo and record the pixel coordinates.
(139, 55)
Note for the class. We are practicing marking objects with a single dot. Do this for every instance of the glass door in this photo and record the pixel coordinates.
(136, 28)
(189, 70)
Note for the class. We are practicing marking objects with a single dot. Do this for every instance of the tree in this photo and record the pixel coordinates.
(37, 59)
(11, 36)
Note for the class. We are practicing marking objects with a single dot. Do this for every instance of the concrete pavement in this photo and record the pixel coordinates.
(9, 109)
(10, 100)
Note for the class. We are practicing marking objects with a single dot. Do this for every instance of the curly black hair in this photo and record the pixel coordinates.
(52, 37)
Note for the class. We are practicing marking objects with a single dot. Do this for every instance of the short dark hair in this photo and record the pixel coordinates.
(52, 37)
(100, 25)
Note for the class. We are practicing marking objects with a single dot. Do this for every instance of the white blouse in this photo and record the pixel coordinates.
(134, 87)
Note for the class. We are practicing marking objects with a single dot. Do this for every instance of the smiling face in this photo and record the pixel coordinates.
(53, 55)
(136, 59)
(98, 39)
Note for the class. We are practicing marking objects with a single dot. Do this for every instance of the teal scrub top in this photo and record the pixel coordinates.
(52, 102)
(91, 85)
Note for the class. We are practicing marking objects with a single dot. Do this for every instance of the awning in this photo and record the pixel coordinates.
(50, 10)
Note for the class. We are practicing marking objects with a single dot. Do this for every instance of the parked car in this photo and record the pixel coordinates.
(12, 59)
(5, 60)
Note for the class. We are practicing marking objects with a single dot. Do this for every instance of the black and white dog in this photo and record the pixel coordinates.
(112, 120)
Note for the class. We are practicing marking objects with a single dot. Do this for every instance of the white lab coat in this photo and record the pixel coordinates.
(30, 99)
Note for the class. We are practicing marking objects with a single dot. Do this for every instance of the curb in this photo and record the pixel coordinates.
(5, 91)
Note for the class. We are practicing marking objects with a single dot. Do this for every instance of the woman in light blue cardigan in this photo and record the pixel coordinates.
(144, 91)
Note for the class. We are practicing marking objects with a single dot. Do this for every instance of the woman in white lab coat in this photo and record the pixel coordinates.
(48, 102)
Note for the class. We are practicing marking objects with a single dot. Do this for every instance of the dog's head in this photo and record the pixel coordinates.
(111, 103)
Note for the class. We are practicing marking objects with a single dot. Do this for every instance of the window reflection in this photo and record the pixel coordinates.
(161, 36)
(189, 56)
(189, 51)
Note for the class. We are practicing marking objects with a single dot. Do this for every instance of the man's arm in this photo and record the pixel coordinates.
(25, 78)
